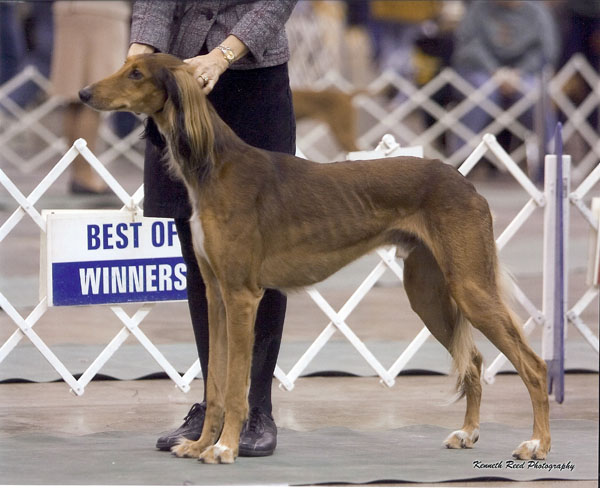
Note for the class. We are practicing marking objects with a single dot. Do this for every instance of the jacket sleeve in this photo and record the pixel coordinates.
(151, 23)
(260, 25)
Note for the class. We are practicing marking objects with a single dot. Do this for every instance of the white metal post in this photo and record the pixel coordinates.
(555, 281)
(550, 258)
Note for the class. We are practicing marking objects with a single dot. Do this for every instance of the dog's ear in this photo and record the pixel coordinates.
(193, 134)
(167, 80)
(175, 95)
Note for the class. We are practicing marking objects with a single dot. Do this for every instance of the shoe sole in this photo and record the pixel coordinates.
(165, 445)
(251, 453)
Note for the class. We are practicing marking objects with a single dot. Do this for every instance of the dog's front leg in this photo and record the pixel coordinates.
(241, 305)
(217, 369)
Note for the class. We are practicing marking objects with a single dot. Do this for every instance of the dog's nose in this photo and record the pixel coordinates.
(85, 94)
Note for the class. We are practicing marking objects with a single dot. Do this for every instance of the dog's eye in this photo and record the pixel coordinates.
(135, 74)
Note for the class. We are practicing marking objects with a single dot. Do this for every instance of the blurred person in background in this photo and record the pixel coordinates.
(90, 43)
(513, 39)
(26, 32)
(359, 49)
(580, 26)
(582, 34)
(395, 26)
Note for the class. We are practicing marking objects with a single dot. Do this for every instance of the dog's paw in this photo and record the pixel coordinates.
(532, 449)
(218, 454)
(187, 448)
(462, 439)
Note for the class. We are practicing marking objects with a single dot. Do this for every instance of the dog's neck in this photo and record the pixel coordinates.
(225, 139)
(193, 160)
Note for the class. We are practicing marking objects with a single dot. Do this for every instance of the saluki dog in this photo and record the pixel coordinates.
(268, 220)
(332, 107)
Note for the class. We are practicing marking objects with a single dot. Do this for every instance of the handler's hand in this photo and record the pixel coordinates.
(137, 48)
(208, 68)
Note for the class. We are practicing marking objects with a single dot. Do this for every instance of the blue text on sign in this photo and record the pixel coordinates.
(126, 234)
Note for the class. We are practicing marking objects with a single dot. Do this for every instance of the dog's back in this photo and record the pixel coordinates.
(331, 214)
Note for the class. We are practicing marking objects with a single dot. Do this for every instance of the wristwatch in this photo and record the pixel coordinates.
(228, 53)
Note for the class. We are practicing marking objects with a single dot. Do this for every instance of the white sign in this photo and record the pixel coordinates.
(110, 256)
(387, 148)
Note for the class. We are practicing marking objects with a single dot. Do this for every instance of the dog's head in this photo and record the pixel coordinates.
(142, 85)
(164, 88)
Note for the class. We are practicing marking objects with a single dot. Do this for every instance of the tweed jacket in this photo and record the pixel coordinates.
(184, 27)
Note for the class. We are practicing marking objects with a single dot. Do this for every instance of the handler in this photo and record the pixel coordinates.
(239, 51)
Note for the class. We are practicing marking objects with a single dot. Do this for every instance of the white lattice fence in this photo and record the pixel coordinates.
(403, 116)
(25, 325)
(337, 319)
(576, 198)
(36, 133)
(576, 122)
(32, 137)
(384, 117)
(489, 146)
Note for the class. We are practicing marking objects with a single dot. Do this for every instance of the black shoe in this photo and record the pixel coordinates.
(190, 429)
(259, 435)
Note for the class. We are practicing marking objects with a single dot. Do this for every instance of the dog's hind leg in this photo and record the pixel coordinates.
(430, 298)
(217, 367)
(241, 304)
(470, 265)
(481, 301)
(463, 244)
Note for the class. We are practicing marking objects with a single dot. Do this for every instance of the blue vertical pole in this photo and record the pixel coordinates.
(556, 366)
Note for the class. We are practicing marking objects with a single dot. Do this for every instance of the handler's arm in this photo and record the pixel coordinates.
(151, 23)
(260, 25)
(252, 34)
(211, 66)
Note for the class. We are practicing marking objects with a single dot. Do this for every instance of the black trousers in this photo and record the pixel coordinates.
(257, 105)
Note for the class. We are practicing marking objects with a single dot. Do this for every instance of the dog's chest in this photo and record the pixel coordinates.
(197, 235)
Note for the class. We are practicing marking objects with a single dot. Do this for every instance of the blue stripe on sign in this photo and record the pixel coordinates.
(119, 281)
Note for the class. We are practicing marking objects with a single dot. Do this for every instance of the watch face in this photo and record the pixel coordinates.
(228, 53)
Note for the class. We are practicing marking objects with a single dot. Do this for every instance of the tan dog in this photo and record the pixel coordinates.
(334, 108)
(270, 220)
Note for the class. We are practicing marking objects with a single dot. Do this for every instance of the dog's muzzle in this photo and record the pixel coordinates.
(85, 94)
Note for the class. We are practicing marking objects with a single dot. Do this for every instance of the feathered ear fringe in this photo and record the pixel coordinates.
(152, 134)
(192, 127)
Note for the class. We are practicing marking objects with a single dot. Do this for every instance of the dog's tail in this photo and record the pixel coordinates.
(467, 361)
(466, 358)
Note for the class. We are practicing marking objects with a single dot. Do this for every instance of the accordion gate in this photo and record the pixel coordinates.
(387, 120)
(337, 319)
